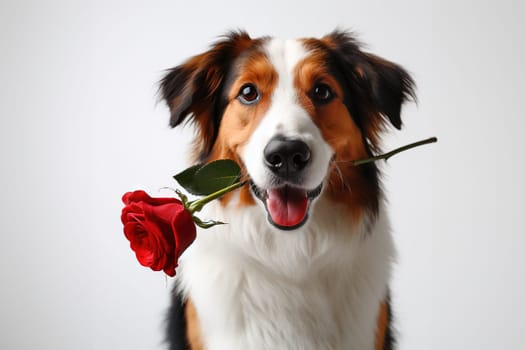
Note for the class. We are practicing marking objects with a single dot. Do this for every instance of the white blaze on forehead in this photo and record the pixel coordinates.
(286, 117)
(284, 56)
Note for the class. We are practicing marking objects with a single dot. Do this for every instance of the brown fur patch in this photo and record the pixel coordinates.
(239, 121)
(383, 320)
(346, 183)
(193, 331)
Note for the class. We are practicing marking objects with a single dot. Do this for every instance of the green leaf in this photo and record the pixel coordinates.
(217, 175)
(206, 179)
(186, 178)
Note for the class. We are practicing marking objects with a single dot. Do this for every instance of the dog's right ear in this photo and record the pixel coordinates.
(193, 89)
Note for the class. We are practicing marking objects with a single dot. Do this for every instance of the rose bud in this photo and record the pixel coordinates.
(159, 230)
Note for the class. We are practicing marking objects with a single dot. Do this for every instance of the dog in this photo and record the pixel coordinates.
(304, 261)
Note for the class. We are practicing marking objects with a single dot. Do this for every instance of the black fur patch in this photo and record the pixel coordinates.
(176, 323)
(390, 341)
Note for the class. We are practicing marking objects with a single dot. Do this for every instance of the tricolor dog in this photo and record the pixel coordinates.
(305, 259)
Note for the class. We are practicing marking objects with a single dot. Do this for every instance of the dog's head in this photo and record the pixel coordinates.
(293, 114)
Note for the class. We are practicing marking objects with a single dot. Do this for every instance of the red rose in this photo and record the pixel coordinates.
(159, 230)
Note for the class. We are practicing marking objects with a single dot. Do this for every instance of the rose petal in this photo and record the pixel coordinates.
(184, 230)
(132, 230)
(141, 196)
(146, 257)
(135, 196)
(170, 271)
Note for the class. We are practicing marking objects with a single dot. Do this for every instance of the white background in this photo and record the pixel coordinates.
(81, 126)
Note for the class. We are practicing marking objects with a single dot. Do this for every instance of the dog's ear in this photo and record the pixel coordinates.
(377, 88)
(193, 89)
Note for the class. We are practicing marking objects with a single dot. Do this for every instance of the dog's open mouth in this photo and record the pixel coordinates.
(287, 206)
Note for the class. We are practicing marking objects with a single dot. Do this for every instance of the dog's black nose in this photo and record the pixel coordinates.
(286, 157)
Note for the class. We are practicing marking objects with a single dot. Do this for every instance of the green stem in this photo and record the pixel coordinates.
(386, 156)
(198, 204)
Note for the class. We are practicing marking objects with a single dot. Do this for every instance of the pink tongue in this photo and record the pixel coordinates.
(287, 206)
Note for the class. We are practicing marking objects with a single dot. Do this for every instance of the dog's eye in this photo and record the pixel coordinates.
(248, 94)
(322, 93)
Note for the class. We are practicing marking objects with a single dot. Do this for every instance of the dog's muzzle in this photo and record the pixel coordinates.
(287, 201)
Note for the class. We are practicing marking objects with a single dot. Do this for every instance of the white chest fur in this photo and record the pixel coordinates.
(320, 287)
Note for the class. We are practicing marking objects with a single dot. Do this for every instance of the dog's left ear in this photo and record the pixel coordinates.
(389, 86)
(377, 88)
